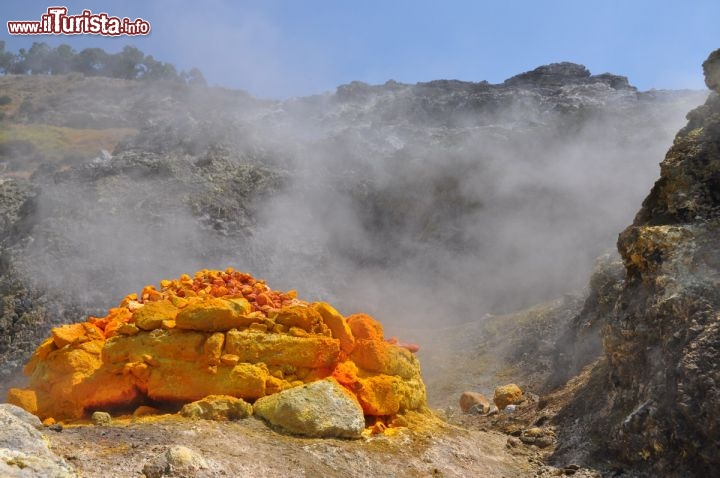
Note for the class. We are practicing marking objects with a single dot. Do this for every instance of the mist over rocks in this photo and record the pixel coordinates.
(429, 204)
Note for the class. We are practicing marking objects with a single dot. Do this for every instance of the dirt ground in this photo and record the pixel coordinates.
(249, 448)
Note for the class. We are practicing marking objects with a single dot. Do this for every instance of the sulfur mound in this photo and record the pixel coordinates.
(219, 333)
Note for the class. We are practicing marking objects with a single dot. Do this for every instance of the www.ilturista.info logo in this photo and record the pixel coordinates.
(57, 22)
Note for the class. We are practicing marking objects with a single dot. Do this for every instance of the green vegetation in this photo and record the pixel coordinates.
(130, 63)
(5, 100)
(55, 142)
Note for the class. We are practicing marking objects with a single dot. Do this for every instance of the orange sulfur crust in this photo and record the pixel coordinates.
(218, 333)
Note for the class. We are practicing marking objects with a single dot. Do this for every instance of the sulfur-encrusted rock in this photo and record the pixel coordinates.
(221, 333)
(151, 315)
(275, 349)
(506, 395)
(382, 395)
(320, 409)
(211, 314)
(338, 326)
(364, 327)
(301, 316)
(217, 407)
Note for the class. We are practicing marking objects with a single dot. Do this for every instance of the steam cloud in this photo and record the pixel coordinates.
(384, 200)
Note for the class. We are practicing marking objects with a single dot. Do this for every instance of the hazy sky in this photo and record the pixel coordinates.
(289, 48)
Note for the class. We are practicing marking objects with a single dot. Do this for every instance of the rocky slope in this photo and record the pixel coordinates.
(663, 342)
(650, 406)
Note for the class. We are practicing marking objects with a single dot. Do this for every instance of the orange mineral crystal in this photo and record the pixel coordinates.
(217, 333)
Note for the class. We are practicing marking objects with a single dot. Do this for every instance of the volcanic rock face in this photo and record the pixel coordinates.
(663, 340)
(219, 333)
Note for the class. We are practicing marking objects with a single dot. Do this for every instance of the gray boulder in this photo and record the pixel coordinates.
(23, 451)
(318, 409)
(177, 461)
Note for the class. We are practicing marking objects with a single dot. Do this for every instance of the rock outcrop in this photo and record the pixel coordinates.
(219, 333)
(661, 407)
(558, 75)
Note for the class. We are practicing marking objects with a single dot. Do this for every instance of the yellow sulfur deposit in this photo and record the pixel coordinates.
(217, 333)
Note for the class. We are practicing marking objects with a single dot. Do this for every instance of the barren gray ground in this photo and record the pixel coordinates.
(249, 448)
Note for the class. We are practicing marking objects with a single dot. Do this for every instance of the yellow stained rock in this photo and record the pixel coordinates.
(337, 325)
(506, 395)
(387, 395)
(42, 351)
(175, 381)
(258, 327)
(72, 333)
(213, 315)
(23, 398)
(128, 329)
(178, 344)
(152, 314)
(58, 381)
(213, 348)
(302, 316)
(275, 349)
(229, 359)
(365, 327)
(386, 358)
(377, 395)
(104, 389)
